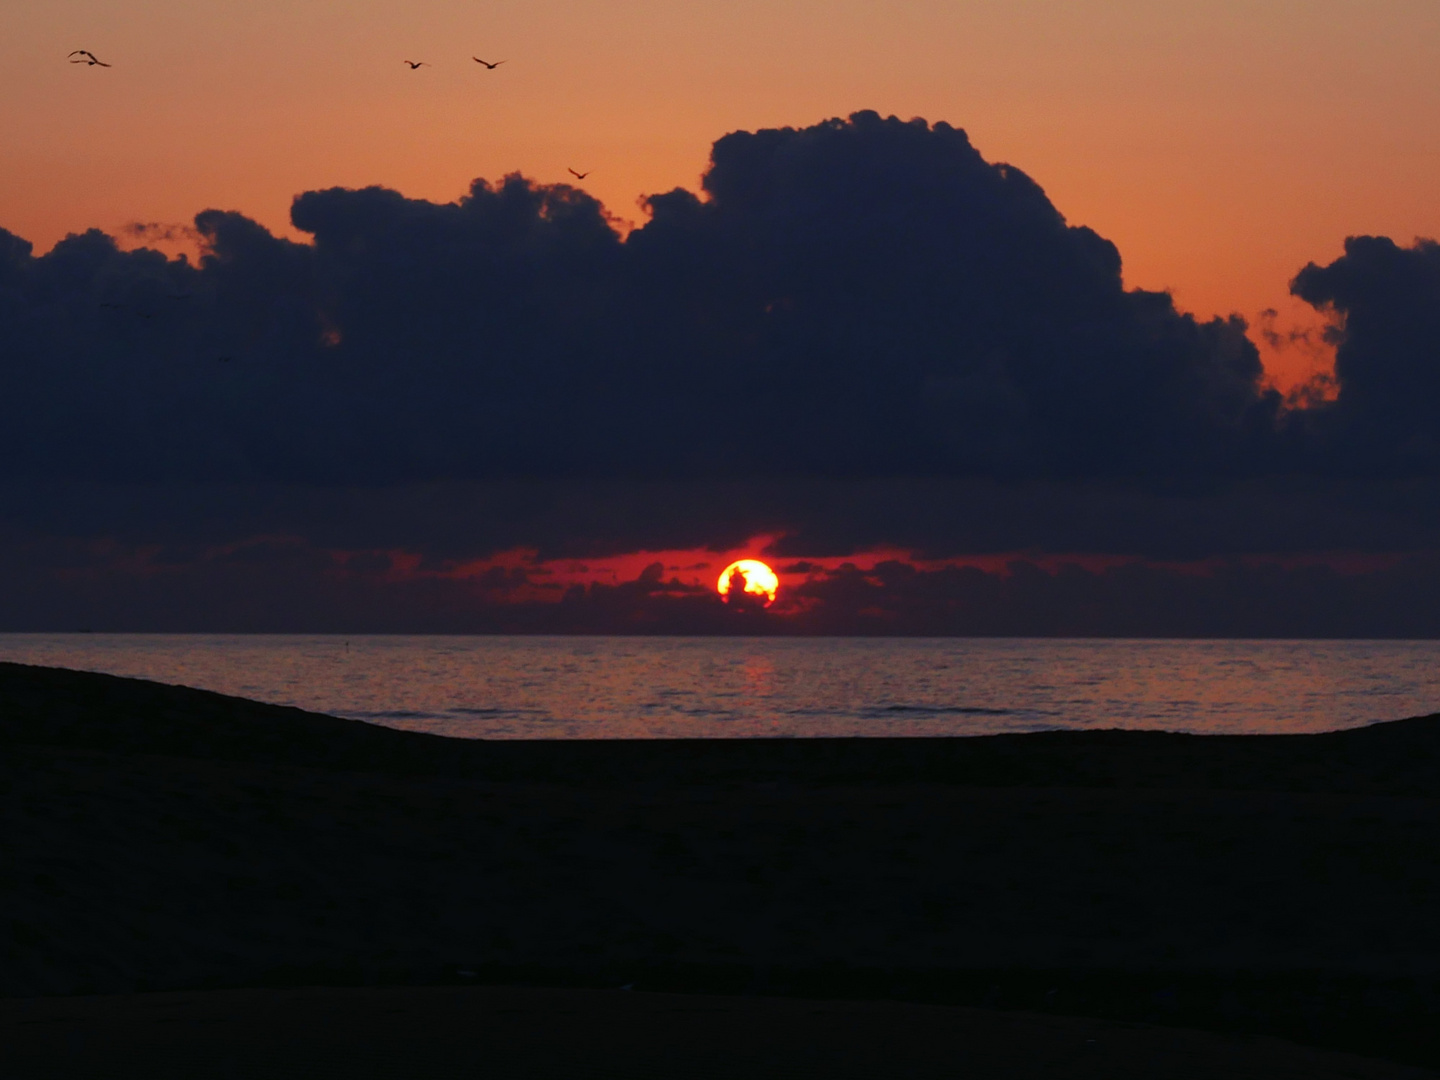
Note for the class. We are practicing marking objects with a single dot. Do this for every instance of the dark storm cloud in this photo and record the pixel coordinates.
(863, 297)
(1387, 364)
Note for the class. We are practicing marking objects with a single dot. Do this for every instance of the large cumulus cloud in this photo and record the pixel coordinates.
(863, 297)
(909, 307)
(1386, 298)
(857, 335)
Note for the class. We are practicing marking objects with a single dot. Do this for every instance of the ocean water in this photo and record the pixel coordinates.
(612, 687)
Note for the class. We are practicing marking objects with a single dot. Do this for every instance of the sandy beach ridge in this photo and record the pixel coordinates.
(159, 840)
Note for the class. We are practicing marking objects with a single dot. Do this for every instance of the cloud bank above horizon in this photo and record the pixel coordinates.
(861, 297)
(858, 334)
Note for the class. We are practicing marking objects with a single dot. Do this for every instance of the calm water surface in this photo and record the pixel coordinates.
(608, 687)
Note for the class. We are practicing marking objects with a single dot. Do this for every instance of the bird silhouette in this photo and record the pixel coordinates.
(415, 64)
(88, 58)
(488, 66)
(579, 175)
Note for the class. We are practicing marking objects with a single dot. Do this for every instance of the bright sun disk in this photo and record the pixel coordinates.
(758, 580)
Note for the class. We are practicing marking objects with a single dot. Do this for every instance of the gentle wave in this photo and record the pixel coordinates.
(941, 710)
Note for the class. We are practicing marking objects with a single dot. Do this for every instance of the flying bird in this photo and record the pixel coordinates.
(579, 175)
(489, 66)
(87, 57)
(415, 64)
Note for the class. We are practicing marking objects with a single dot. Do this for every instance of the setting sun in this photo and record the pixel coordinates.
(758, 581)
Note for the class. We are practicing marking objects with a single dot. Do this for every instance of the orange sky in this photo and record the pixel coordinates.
(1220, 145)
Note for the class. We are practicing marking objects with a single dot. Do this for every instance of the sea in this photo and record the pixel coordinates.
(496, 687)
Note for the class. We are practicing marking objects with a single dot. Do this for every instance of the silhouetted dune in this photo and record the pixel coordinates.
(160, 838)
(380, 1034)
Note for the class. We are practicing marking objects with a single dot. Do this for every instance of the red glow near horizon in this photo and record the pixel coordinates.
(520, 576)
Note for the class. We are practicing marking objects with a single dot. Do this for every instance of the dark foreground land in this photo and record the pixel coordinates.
(1065, 887)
